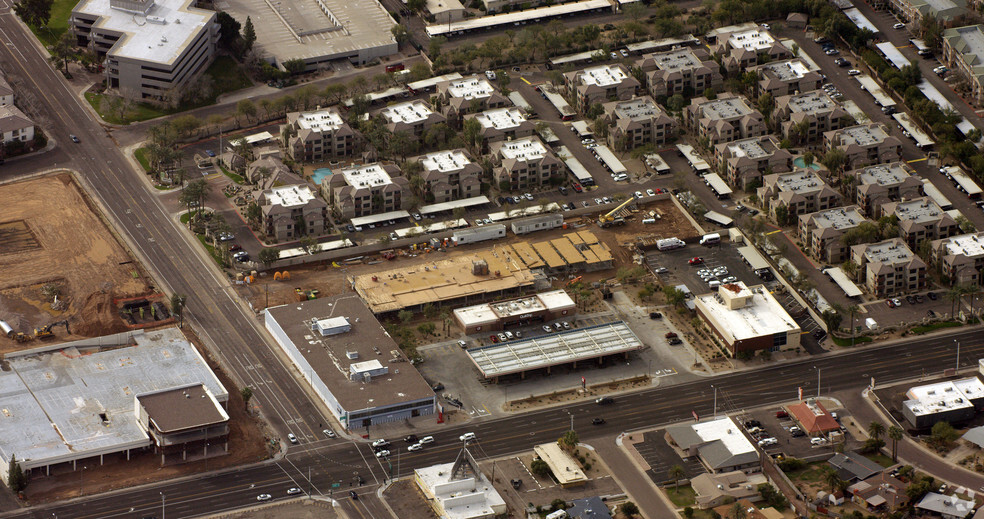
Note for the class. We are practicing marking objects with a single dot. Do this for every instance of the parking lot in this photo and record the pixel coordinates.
(718, 263)
(776, 426)
(908, 312)
(661, 458)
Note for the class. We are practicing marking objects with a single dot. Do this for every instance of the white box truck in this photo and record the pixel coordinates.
(670, 244)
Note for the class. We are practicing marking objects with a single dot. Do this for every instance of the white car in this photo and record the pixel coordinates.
(292, 438)
(468, 436)
(650, 192)
(293, 491)
(415, 447)
(768, 442)
(624, 53)
(547, 328)
(587, 141)
(818, 441)
(264, 497)
(638, 194)
(899, 26)
(489, 74)
(853, 72)
(379, 443)
(383, 453)
(329, 433)
(529, 196)
(426, 439)
(614, 55)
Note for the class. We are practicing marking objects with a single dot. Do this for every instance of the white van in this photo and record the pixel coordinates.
(710, 239)
(714, 284)
(648, 220)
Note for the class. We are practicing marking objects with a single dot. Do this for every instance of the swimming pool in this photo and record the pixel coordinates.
(319, 174)
(798, 162)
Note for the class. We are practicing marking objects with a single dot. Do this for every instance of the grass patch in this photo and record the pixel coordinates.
(811, 473)
(211, 251)
(681, 497)
(232, 176)
(881, 459)
(227, 76)
(919, 330)
(186, 217)
(141, 155)
(61, 10)
(847, 342)
(139, 111)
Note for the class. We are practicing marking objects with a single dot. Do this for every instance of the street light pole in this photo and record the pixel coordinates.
(958, 353)
(163, 516)
(81, 474)
(818, 380)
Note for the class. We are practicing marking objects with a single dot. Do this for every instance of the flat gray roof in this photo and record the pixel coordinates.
(811, 102)
(726, 109)
(51, 398)
(173, 410)
(550, 350)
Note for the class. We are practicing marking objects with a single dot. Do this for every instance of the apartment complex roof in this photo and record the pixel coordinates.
(839, 218)
(883, 174)
(290, 196)
(321, 120)
(475, 87)
(603, 76)
(409, 112)
(366, 175)
(445, 161)
(525, 149)
(501, 118)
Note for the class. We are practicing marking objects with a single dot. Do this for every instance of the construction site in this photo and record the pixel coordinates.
(64, 273)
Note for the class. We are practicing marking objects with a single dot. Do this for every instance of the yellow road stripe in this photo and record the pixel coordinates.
(773, 232)
(917, 160)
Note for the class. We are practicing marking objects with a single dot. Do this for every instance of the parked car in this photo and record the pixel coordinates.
(661, 270)
(566, 325)
(74, 139)
(752, 423)
(547, 328)
(437, 387)
(818, 441)
(832, 52)
(696, 260)
(670, 335)
(655, 315)
(502, 337)
(899, 25)
(782, 414)
(463, 344)
(650, 192)
(932, 295)
(675, 341)
(493, 338)
(853, 72)
(890, 303)
(897, 301)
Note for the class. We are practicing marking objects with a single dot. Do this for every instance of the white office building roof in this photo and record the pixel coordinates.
(525, 149)
(501, 118)
(321, 120)
(475, 87)
(366, 176)
(727, 432)
(159, 35)
(603, 76)
(944, 396)
(560, 348)
(445, 161)
(760, 315)
(470, 497)
(491, 312)
(753, 39)
(409, 112)
(290, 196)
(53, 399)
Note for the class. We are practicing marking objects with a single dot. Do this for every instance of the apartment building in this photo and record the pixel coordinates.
(600, 84)
(889, 268)
(822, 232)
(502, 124)
(725, 119)
(319, 136)
(413, 117)
(740, 50)
(800, 192)
(524, 163)
(458, 97)
(787, 77)
(449, 175)
(6, 93)
(638, 122)
(864, 144)
(367, 189)
(963, 48)
(921, 219)
(960, 258)
(149, 48)
(15, 126)
(944, 11)
(746, 160)
(805, 117)
(685, 71)
(290, 212)
(883, 183)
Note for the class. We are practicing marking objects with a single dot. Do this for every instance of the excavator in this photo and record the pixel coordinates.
(45, 331)
(609, 219)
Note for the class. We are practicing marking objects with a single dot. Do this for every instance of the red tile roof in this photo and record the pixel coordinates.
(813, 417)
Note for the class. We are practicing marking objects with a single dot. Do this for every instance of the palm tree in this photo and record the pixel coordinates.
(895, 433)
(876, 430)
(676, 474)
(953, 295)
(832, 479)
(853, 309)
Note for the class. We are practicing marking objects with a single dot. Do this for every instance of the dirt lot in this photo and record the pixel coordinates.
(247, 443)
(295, 509)
(60, 248)
(407, 501)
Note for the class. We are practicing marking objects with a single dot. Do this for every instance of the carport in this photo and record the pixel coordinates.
(844, 282)
(454, 204)
(382, 217)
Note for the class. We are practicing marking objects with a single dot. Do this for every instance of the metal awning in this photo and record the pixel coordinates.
(381, 217)
(839, 277)
(448, 206)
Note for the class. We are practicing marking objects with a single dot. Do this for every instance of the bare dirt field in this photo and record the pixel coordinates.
(295, 509)
(52, 242)
(247, 443)
(406, 500)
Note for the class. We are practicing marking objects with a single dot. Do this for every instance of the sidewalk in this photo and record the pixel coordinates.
(632, 477)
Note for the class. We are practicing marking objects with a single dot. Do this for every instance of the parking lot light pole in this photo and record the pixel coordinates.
(818, 380)
(572, 418)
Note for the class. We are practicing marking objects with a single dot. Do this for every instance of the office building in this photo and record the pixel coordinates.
(748, 319)
(952, 401)
(719, 444)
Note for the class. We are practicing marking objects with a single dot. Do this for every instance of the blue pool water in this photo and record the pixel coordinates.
(319, 174)
(798, 162)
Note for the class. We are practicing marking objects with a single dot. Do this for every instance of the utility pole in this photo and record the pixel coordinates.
(162, 506)
(958, 353)
(818, 381)
(715, 401)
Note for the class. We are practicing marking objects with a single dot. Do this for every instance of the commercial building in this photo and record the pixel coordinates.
(638, 122)
(813, 418)
(805, 117)
(152, 48)
(719, 444)
(799, 192)
(365, 190)
(413, 117)
(449, 175)
(319, 136)
(883, 183)
(740, 49)
(502, 124)
(745, 160)
(472, 94)
(592, 343)
(889, 267)
(290, 212)
(684, 71)
(821, 232)
(104, 398)
(864, 144)
(950, 401)
(921, 219)
(539, 308)
(600, 84)
(562, 465)
(787, 77)
(15, 126)
(960, 258)
(459, 490)
(946, 507)
(725, 119)
(962, 49)
(524, 163)
(349, 360)
(589, 508)
(572, 252)
(748, 319)
(944, 11)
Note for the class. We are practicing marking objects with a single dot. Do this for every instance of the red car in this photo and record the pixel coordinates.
(890, 303)
(577, 187)
(493, 338)
(696, 260)
(234, 247)
(782, 414)
(670, 335)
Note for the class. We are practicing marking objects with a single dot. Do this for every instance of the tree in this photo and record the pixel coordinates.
(296, 66)
(834, 160)
(400, 33)
(569, 440)
(269, 255)
(629, 509)
(676, 473)
(228, 29)
(942, 435)
(245, 108)
(249, 35)
(782, 215)
(540, 468)
(177, 307)
(309, 244)
(738, 511)
(895, 434)
(832, 479)
(247, 394)
(773, 497)
(833, 319)
(16, 479)
(674, 295)
(404, 316)
(64, 50)
(34, 12)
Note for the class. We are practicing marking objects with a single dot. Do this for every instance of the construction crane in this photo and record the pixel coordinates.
(608, 219)
(45, 331)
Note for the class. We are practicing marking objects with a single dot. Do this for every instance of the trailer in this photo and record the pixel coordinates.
(541, 222)
(477, 234)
